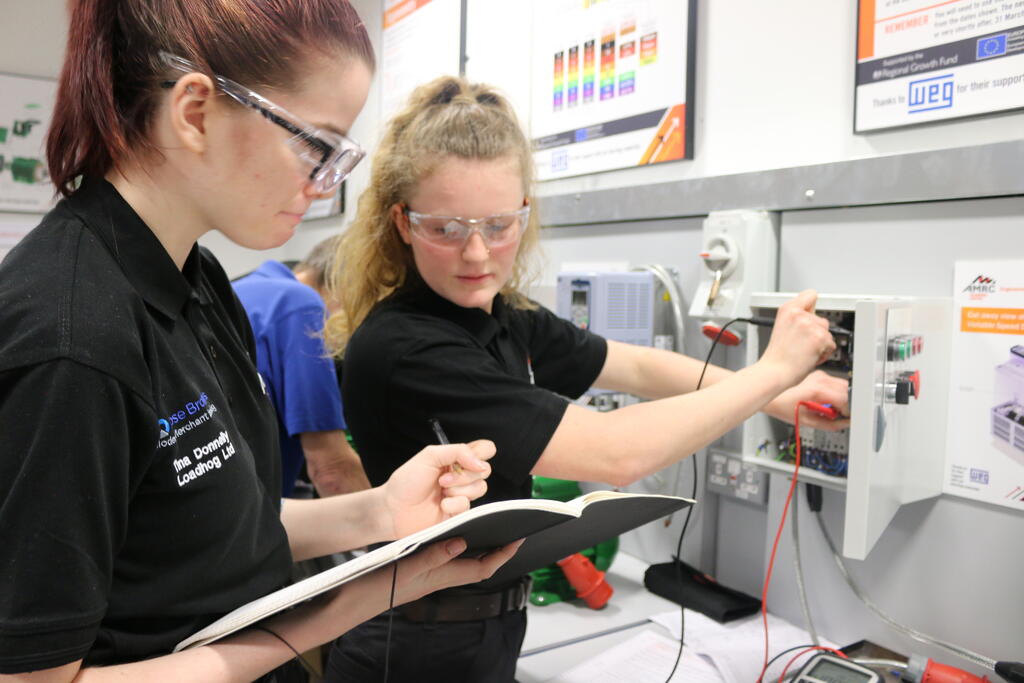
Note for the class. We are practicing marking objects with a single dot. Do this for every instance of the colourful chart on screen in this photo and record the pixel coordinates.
(614, 84)
(920, 61)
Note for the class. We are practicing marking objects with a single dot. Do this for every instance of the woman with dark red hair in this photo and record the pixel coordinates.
(139, 466)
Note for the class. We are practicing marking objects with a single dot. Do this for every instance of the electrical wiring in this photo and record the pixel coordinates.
(678, 323)
(963, 652)
(391, 613)
(778, 535)
(787, 651)
(872, 663)
(693, 495)
(798, 566)
(675, 298)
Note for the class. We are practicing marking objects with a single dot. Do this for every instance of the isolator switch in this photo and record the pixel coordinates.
(906, 386)
(915, 382)
(904, 390)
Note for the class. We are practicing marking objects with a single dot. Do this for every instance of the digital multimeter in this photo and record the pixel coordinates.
(826, 668)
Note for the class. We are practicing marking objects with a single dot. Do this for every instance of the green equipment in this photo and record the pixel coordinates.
(549, 583)
(29, 171)
(23, 128)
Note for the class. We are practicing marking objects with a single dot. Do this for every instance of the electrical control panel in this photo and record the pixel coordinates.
(895, 352)
(623, 306)
(633, 307)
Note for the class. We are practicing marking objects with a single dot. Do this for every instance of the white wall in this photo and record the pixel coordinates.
(32, 37)
(774, 89)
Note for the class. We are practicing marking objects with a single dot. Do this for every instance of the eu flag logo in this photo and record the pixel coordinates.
(992, 46)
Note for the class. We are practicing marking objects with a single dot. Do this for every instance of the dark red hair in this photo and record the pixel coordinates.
(110, 83)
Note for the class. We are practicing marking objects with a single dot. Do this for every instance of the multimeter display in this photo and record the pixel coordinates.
(825, 668)
(829, 672)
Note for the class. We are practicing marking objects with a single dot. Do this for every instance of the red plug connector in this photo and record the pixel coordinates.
(823, 409)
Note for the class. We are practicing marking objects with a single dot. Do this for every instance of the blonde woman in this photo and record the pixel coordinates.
(435, 327)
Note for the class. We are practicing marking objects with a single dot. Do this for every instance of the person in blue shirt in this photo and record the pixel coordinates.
(287, 311)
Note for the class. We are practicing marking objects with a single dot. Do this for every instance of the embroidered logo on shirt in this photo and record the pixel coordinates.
(185, 419)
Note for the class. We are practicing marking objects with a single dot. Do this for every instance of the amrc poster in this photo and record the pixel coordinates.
(929, 60)
(613, 84)
(985, 460)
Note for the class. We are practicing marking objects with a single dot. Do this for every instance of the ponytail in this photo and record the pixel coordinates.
(85, 133)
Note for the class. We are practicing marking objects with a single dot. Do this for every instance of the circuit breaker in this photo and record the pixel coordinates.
(896, 356)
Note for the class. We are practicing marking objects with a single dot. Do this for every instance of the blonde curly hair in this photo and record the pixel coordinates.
(448, 117)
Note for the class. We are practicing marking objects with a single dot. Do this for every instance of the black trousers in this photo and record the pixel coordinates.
(482, 651)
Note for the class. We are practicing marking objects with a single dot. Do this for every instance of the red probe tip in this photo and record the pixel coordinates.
(825, 411)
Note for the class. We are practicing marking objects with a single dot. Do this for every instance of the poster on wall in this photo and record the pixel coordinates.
(421, 41)
(985, 460)
(26, 105)
(613, 84)
(928, 60)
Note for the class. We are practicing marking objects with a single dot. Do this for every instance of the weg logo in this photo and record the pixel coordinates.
(928, 94)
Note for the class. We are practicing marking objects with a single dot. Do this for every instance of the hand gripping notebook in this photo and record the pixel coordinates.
(553, 530)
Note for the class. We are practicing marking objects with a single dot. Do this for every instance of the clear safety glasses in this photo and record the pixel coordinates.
(330, 156)
(453, 231)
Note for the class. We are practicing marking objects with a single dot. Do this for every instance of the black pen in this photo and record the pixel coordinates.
(443, 440)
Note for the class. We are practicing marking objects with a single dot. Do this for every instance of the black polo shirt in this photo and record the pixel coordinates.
(139, 471)
(502, 377)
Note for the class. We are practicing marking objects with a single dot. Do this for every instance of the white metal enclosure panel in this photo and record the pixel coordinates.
(897, 451)
(897, 441)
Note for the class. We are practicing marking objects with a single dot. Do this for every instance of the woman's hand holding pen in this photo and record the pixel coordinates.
(428, 489)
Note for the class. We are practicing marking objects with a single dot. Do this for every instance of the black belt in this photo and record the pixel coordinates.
(455, 606)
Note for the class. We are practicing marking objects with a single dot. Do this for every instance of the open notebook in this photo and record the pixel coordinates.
(553, 530)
